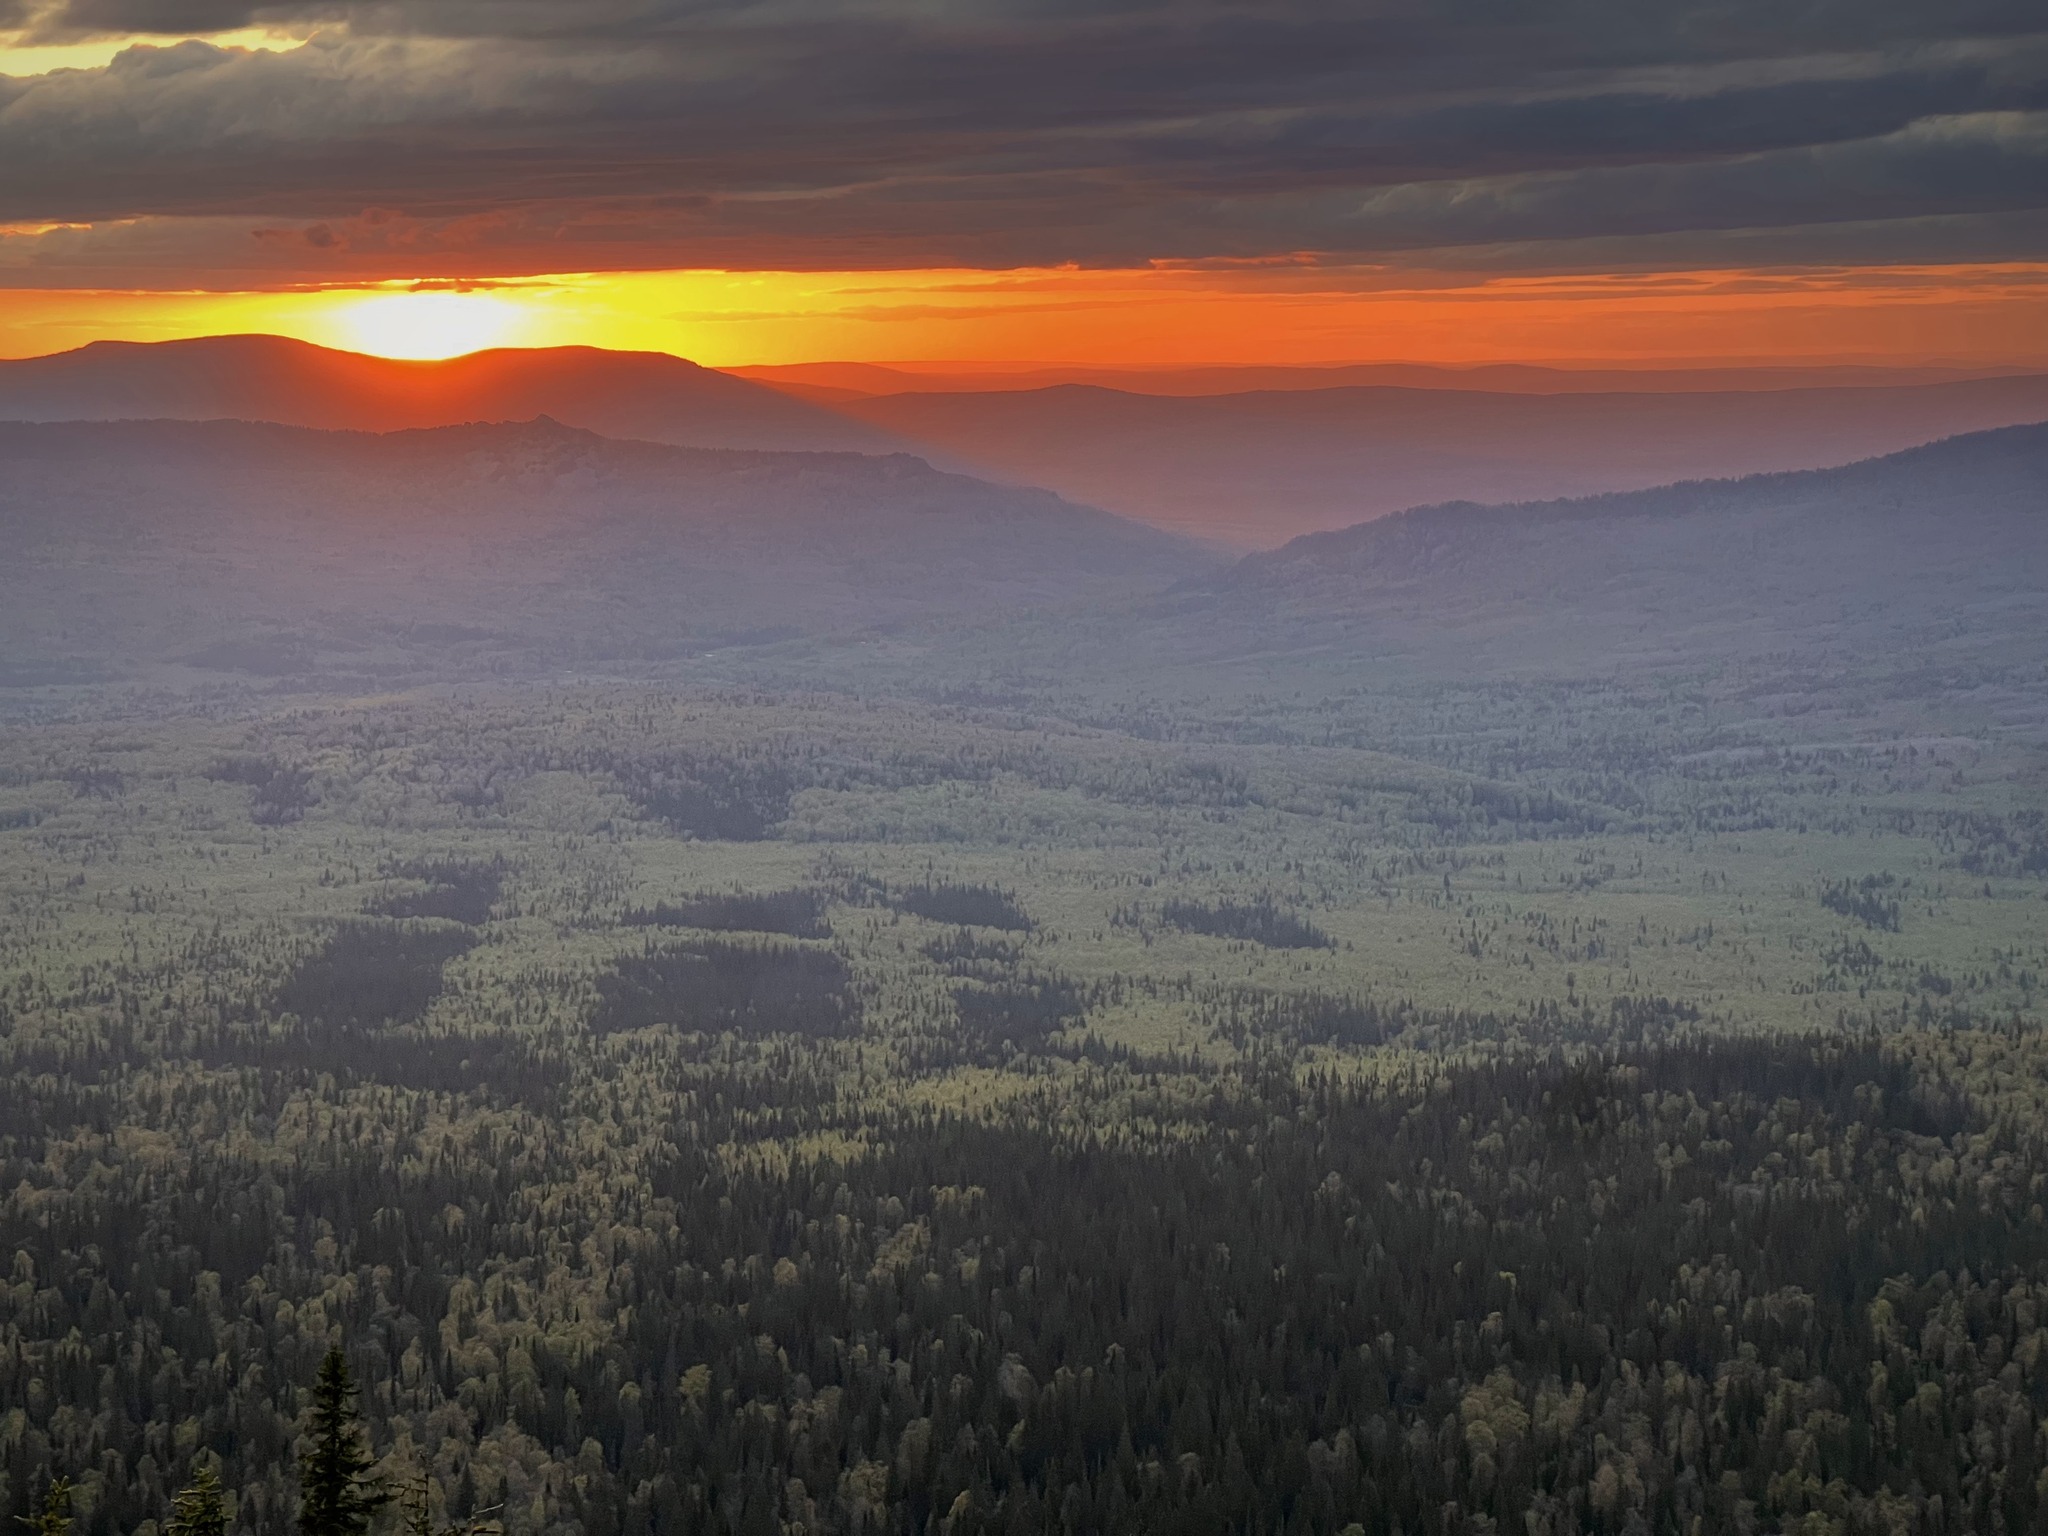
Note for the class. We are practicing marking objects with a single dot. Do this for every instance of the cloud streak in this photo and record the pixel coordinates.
(552, 135)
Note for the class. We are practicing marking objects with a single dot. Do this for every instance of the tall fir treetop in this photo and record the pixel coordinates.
(337, 1495)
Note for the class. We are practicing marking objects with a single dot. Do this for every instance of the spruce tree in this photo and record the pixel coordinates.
(199, 1509)
(336, 1494)
(55, 1520)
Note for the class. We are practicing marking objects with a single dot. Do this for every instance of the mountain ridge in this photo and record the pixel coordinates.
(1919, 564)
(136, 541)
(649, 396)
(842, 380)
(1258, 467)
(2024, 446)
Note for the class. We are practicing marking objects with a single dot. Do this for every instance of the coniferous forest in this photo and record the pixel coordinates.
(1039, 1075)
(1028, 1130)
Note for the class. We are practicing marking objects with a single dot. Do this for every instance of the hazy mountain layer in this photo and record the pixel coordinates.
(1262, 467)
(1905, 561)
(287, 551)
(835, 381)
(644, 395)
(1847, 592)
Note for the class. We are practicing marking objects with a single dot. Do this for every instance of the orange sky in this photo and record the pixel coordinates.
(1275, 312)
(869, 181)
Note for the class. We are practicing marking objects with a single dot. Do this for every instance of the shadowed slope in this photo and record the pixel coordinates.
(1904, 559)
(281, 550)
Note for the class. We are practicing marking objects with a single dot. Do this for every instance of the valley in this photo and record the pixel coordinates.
(750, 990)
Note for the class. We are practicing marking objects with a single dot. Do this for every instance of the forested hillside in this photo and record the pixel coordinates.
(1939, 551)
(722, 1112)
(1662, 1288)
(1387, 1040)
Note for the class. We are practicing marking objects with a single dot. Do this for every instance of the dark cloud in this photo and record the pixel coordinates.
(1600, 32)
(183, 18)
(842, 132)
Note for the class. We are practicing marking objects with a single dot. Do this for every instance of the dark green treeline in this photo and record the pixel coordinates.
(1690, 1287)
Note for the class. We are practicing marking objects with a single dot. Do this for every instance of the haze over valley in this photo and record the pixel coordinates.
(1247, 468)
(1239, 467)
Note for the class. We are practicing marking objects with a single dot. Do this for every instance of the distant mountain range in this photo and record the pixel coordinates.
(840, 381)
(1194, 450)
(492, 549)
(1906, 564)
(1258, 468)
(334, 560)
(648, 396)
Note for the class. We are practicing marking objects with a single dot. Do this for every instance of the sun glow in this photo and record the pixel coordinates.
(1153, 317)
(22, 58)
(425, 326)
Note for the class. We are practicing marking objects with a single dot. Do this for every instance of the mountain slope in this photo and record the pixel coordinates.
(649, 396)
(1259, 468)
(1908, 560)
(274, 549)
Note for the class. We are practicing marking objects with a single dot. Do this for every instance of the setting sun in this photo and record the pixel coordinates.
(426, 326)
(1993, 314)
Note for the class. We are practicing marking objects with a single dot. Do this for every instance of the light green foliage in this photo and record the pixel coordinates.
(321, 998)
(1469, 886)
(54, 1518)
(200, 1509)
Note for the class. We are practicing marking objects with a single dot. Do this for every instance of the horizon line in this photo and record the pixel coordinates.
(1780, 363)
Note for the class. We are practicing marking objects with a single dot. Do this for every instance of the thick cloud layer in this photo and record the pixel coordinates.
(558, 134)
